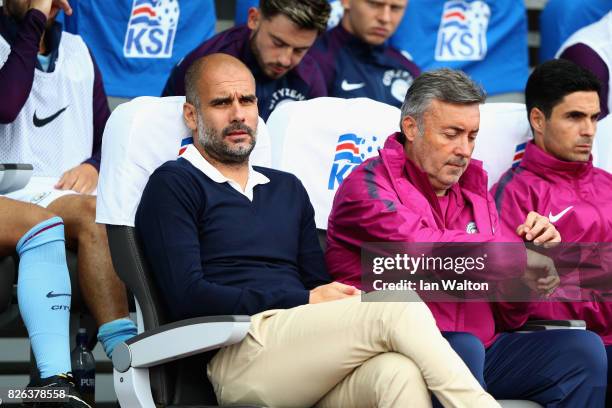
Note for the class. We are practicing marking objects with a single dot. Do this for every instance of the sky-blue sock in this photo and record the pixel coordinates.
(112, 333)
(43, 292)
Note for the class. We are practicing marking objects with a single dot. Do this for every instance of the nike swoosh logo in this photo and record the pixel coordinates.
(351, 87)
(555, 218)
(38, 122)
(52, 295)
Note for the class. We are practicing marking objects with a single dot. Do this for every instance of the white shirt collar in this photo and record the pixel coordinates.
(193, 156)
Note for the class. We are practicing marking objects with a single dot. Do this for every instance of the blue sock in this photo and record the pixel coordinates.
(43, 293)
(112, 333)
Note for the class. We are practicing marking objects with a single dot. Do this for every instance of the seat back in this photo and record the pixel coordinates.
(502, 138)
(322, 140)
(140, 136)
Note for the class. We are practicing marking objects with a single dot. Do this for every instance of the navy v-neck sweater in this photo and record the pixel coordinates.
(214, 252)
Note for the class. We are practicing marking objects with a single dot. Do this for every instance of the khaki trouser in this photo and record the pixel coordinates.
(347, 353)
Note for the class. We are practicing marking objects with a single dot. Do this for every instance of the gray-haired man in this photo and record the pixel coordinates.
(424, 187)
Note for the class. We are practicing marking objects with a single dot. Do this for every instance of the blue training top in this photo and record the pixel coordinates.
(353, 68)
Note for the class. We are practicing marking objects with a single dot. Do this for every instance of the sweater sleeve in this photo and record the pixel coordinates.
(167, 225)
(101, 113)
(17, 73)
(310, 259)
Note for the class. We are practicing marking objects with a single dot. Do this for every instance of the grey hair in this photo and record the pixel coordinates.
(446, 85)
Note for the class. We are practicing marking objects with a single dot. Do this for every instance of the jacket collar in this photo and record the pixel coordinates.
(358, 46)
(472, 184)
(546, 165)
(474, 179)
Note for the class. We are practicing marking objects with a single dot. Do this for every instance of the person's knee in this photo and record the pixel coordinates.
(588, 352)
(465, 342)
(396, 375)
(468, 346)
(580, 356)
(87, 208)
(86, 226)
(395, 368)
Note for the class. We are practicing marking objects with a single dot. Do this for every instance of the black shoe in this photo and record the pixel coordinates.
(74, 399)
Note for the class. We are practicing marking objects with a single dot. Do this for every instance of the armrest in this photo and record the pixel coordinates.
(14, 176)
(179, 339)
(536, 325)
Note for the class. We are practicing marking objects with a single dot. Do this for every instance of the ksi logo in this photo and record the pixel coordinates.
(351, 151)
(462, 35)
(151, 29)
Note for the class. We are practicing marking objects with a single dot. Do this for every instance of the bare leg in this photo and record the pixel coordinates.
(103, 291)
(17, 218)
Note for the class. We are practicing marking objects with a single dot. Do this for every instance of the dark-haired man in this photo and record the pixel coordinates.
(355, 58)
(556, 177)
(273, 46)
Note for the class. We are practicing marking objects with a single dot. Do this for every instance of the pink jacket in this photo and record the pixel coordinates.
(389, 199)
(577, 198)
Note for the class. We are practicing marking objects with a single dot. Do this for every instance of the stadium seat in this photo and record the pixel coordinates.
(307, 140)
(142, 135)
(164, 364)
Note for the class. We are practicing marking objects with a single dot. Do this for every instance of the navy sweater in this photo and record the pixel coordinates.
(214, 252)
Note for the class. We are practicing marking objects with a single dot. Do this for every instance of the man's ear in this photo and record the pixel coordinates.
(537, 120)
(253, 18)
(346, 4)
(190, 115)
(409, 128)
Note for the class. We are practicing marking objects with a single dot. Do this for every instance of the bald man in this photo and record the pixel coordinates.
(224, 237)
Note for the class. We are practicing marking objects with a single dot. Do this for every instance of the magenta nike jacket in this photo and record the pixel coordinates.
(389, 199)
(577, 198)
